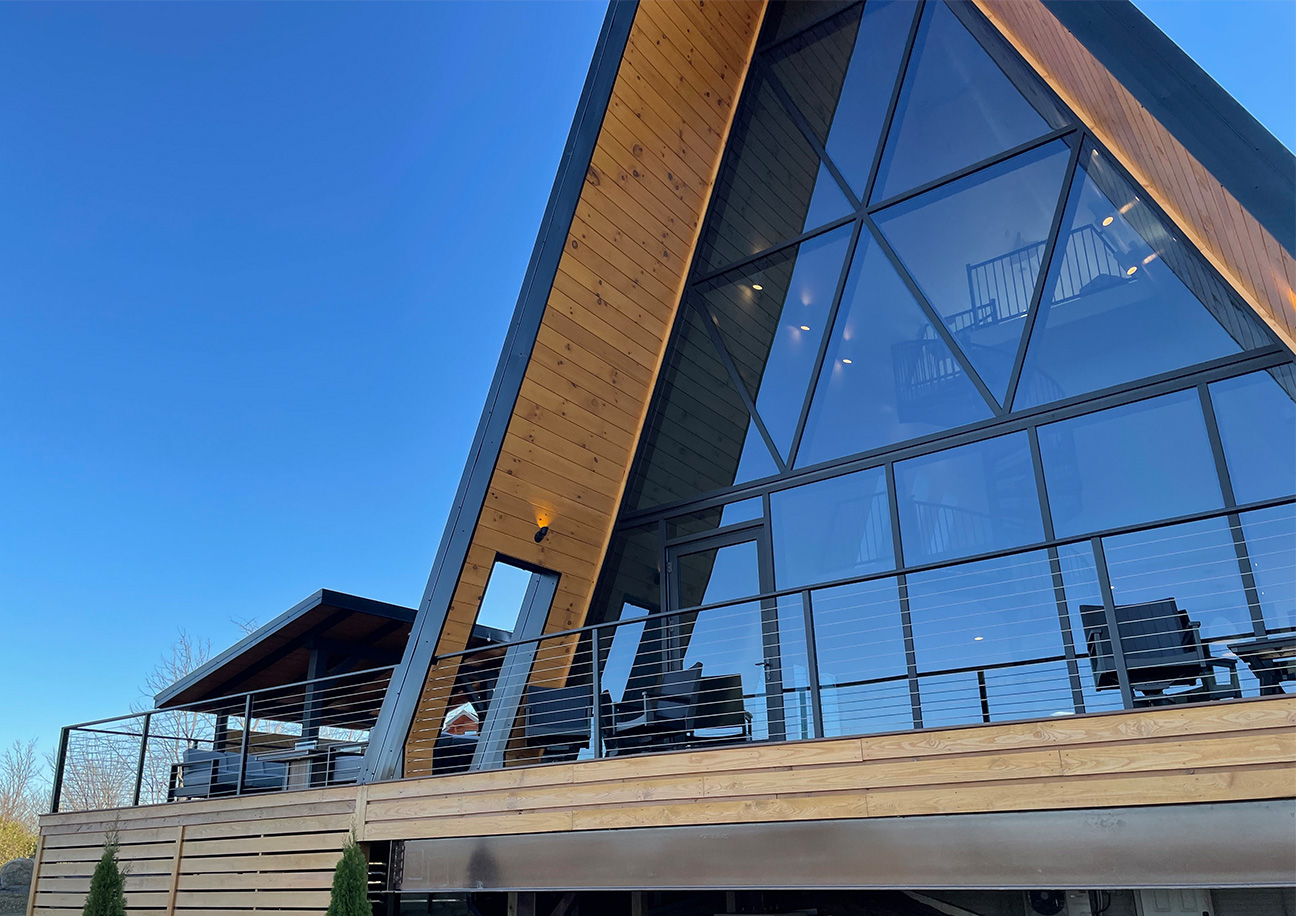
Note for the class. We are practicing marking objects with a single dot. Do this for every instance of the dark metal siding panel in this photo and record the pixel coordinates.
(1213, 126)
(388, 737)
(1242, 844)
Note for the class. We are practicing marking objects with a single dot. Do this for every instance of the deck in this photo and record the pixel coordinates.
(222, 857)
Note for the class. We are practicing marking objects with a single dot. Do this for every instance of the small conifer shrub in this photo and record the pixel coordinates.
(107, 895)
(351, 884)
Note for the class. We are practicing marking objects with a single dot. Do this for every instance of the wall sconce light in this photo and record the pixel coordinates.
(540, 533)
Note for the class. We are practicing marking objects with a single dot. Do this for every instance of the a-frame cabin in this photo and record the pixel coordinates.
(885, 503)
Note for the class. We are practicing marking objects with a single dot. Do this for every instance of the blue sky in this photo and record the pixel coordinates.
(256, 265)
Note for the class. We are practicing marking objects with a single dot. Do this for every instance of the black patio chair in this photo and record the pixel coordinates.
(1163, 651)
(557, 719)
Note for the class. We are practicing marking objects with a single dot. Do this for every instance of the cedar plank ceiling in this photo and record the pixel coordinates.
(1233, 240)
(566, 456)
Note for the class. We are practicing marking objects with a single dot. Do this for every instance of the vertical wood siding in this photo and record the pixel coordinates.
(566, 456)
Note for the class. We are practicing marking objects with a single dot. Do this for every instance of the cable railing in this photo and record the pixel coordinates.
(1193, 610)
(308, 734)
(1159, 616)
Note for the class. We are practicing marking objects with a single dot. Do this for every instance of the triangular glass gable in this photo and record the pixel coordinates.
(887, 376)
(772, 317)
(1125, 298)
(699, 435)
(974, 246)
(772, 185)
(957, 107)
(840, 75)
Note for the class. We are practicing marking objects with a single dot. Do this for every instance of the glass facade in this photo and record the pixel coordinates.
(955, 427)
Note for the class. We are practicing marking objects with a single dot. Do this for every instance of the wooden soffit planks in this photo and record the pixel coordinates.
(566, 456)
(1233, 240)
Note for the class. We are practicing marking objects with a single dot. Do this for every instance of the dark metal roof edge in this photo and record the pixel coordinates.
(247, 642)
(387, 738)
(1249, 161)
(324, 596)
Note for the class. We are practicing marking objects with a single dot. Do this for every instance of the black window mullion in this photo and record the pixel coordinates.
(825, 342)
(1046, 262)
(902, 592)
(1041, 140)
(938, 323)
(804, 126)
(713, 330)
(1090, 402)
(895, 101)
(1249, 587)
(773, 249)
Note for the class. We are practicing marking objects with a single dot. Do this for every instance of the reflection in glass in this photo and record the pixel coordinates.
(957, 107)
(630, 578)
(887, 375)
(716, 517)
(859, 645)
(1257, 422)
(972, 499)
(1271, 547)
(840, 75)
(1080, 582)
(718, 574)
(985, 614)
(974, 246)
(626, 643)
(832, 529)
(1137, 463)
(772, 317)
(698, 436)
(1194, 564)
(502, 601)
(1125, 298)
(771, 186)
(764, 649)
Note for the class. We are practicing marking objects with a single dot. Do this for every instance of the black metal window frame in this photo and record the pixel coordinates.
(1003, 419)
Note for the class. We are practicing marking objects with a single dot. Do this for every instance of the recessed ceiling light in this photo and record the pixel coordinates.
(977, 638)
(805, 327)
(846, 361)
(757, 286)
(1130, 272)
(1108, 221)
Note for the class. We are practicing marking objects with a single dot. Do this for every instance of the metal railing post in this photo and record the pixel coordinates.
(59, 765)
(1113, 623)
(143, 752)
(812, 663)
(596, 707)
(243, 751)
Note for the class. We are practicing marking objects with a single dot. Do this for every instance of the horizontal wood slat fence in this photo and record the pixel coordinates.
(220, 857)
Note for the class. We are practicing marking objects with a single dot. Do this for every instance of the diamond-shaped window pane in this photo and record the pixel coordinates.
(840, 75)
(699, 436)
(887, 376)
(772, 186)
(957, 107)
(974, 246)
(1126, 298)
(772, 317)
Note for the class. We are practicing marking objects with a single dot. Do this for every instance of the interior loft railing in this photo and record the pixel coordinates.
(309, 734)
(1000, 288)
